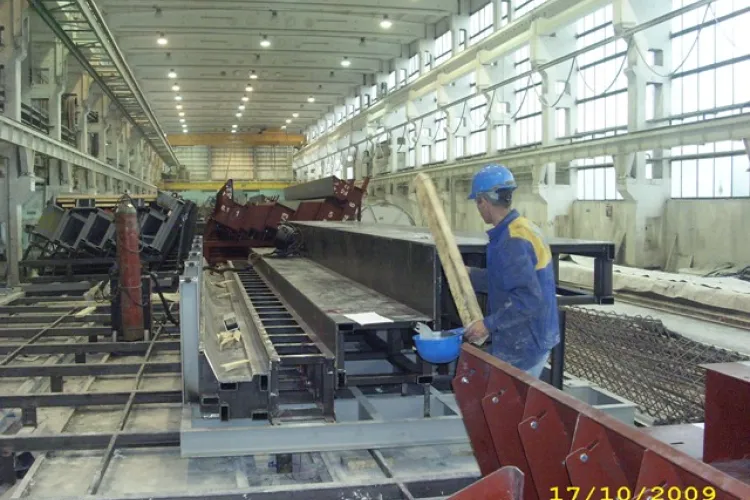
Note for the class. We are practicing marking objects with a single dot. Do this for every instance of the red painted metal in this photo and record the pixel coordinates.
(129, 263)
(562, 444)
(233, 228)
(727, 427)
(503, 484)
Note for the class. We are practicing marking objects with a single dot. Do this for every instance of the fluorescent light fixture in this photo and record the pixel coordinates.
(245, 98)
(179, 106)
(184, 131)
(253, 76)
(265, 43)
(241, 107)
(176, 87)
(234, 131)
(311, 99)
(182, 120)
(178, 98)
(283, 127)
(181, 113)
(234, 126)
(345, 62)
(249, 88)
(162, 40)
(386, 23)
(172, 74)
(288, 120)
(238, 115)
(295, 115)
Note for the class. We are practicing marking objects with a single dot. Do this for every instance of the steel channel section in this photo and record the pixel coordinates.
(323, 384)
(334, 329)
(209, 438)
(190, 300)
(78, 399)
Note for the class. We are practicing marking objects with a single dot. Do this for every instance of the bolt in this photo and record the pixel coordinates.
(495, 399)
(464, 380)
(584, 458)
(534, 424)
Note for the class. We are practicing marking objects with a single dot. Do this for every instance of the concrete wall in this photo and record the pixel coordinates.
(713, 232)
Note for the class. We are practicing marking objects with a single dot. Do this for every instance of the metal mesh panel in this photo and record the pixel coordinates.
(641, 360)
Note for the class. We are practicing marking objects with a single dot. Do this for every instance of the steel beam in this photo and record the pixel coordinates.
(17, 133)
(92, 347)
(64, 331)
(77, 399)
(87, 370)
(88, 441)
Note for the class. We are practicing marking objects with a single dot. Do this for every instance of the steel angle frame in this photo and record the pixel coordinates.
(364, 428)
(190, 300)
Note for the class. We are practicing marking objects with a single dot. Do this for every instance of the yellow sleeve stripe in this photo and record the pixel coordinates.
(522, 228)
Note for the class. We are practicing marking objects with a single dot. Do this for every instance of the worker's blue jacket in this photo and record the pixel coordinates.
(519, 280)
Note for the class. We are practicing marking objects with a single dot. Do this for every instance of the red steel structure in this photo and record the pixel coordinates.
(565, 449)
(234, 228)
(129, 263)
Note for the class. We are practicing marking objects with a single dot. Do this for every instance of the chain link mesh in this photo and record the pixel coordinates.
(641, 360)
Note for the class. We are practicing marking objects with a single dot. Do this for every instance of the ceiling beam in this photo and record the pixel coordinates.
(268, 138)
(198, 73)
(272, 62)
(390, 7)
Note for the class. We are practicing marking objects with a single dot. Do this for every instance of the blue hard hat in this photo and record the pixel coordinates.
(492, 178)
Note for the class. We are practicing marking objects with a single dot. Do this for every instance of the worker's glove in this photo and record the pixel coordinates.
(476, 333)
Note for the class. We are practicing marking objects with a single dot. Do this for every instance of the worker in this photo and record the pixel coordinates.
(522, 318)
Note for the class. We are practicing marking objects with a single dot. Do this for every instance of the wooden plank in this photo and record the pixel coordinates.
(453, 264)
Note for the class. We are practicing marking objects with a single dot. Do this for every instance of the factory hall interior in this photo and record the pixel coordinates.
(383, 250)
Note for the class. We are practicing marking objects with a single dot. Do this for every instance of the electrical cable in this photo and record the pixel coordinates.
(541, 98)
(614, 80)
(167, 312)
(687, 56)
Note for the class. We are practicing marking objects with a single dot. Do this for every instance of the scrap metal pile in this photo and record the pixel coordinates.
(640, 359)
(234, 228)
(82, 237)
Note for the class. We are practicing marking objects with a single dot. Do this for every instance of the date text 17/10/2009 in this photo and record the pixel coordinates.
(626, 493)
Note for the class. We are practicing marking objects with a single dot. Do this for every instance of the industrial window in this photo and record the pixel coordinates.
(443, 47)
(413, 68)
(602, 102)
(502, 135)
(372, 96)
(411, 141)
(391, 81)
(477, 143)
(357, 104)
(524, 6)
(402, 75)
(441, 137)
(711, 67)
(481, 23)
(597, 182)
(528, 115)
(425, 154)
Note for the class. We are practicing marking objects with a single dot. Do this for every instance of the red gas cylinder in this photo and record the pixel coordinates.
(129, 262)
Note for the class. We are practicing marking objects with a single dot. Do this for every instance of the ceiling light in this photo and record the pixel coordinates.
(249, 88)
(234, 131)
(283, 127)
(234, 126)
(345, 62)
(386, 23)
(178, 98)
(184, 131)
(253, 76)
(288, 120)
(176, 87)
(238, 115)
(181, 113)
(179, 106)
(241, 107)
(245, 98)
(172, 74)
(311, 99)
(162, 40)
(182, 120)
(265, 43)
(295, 115)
